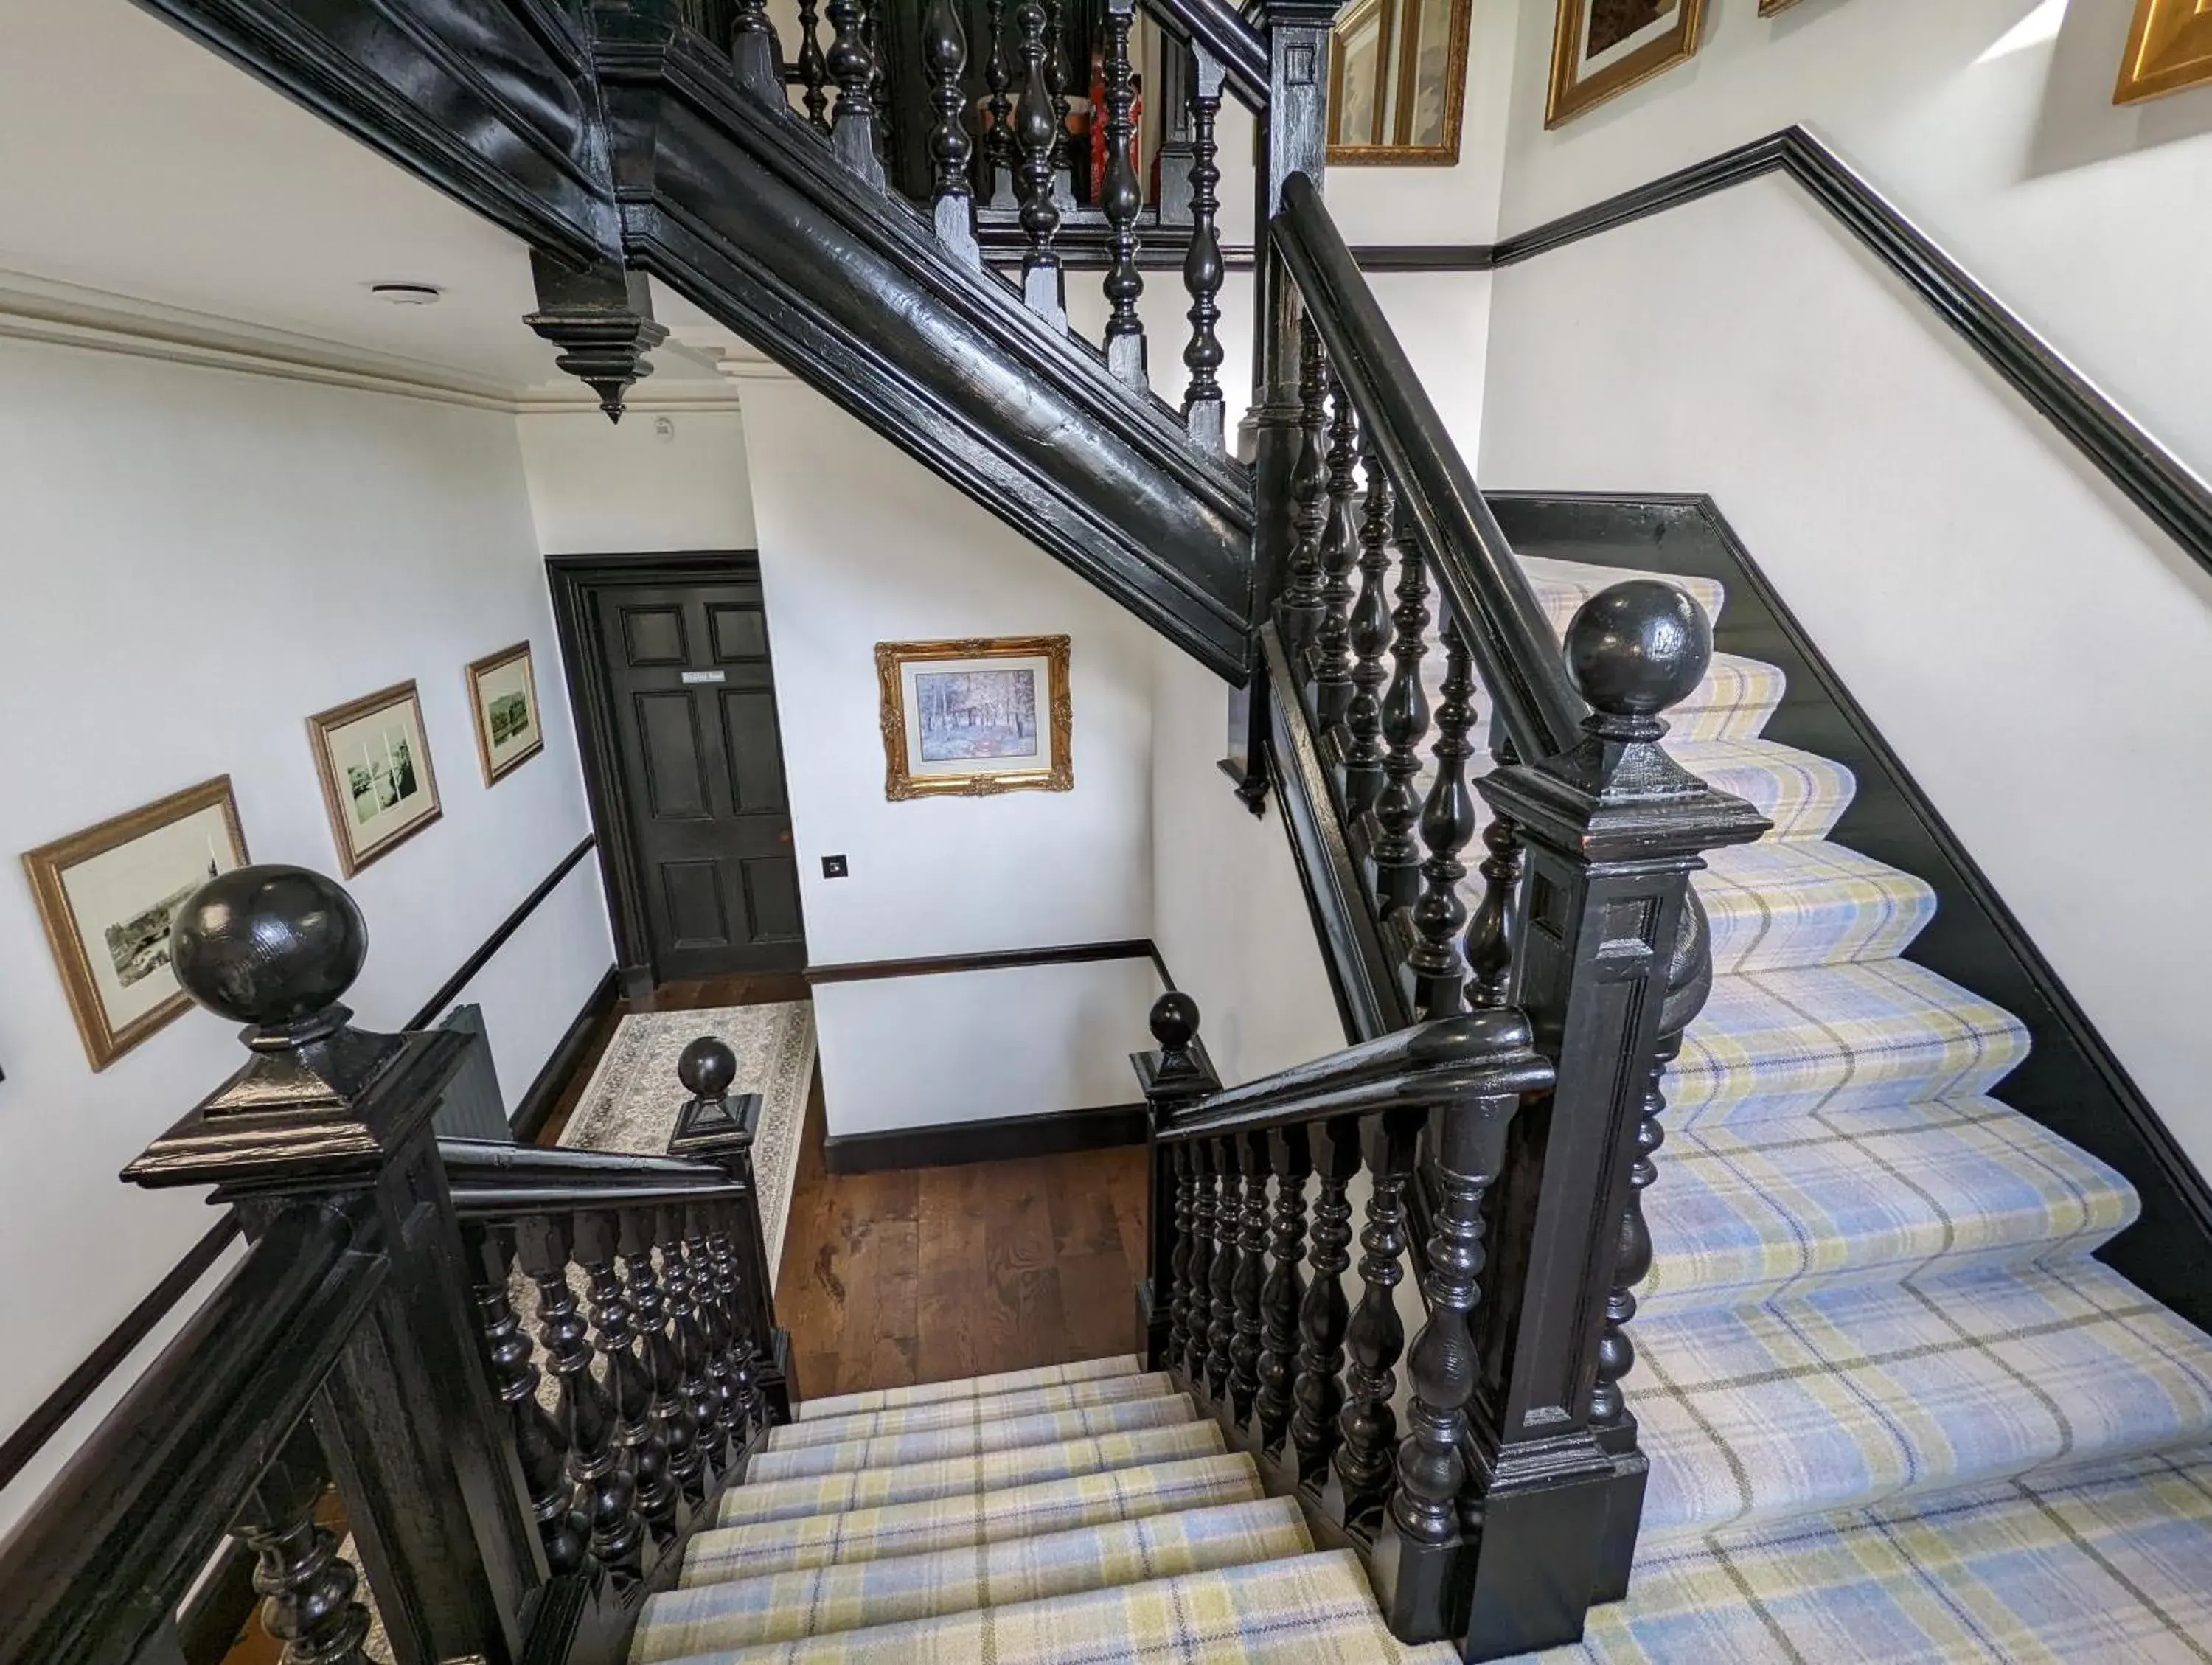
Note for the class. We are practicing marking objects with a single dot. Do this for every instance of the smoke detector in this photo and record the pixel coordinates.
(406, 294)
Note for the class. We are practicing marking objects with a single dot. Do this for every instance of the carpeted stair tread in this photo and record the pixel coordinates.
(1733, 702)
(823, 1494)
(2105, 1563)
(1803, 795)
(1781, 905)
(958, 1412)
(963, 1519)
(1849, 1398)
(1744, 1212)
(973, 1387)
(972, 1439)
(1300, 1610)
(785, 1607)
(1563, 586)
(1784, 1043)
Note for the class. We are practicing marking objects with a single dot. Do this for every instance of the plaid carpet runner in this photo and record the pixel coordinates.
(1895, 1411)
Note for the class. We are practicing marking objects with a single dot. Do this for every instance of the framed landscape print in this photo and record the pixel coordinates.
(503, 698)
(108, 895)
(985, 714)
(1397, 79)
(2169, 48)
(378, 784)
(1602, 48)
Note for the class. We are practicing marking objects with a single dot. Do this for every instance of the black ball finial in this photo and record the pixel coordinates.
(706, 1067)
(1638, 648)
(1174, 1021)
(269, 945)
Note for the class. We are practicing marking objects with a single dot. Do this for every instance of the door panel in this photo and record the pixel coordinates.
(692, 694)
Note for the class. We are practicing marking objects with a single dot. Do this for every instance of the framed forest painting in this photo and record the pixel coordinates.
(977, 715)
(1602, 48)
(108, 896)
(377, 783)
(504, 699)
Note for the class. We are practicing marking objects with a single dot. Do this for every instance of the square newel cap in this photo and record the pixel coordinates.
(713, 1124)
(318, 1102)
(1179, 1069)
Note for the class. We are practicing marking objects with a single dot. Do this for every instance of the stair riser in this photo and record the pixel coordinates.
(953, 1414)
(937, 1444)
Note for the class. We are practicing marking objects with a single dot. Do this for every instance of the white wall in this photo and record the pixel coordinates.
(195, 562)
(1990, 122)
(650, 483)
(2033, 648)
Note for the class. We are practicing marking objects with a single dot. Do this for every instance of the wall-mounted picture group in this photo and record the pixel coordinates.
(108, 895)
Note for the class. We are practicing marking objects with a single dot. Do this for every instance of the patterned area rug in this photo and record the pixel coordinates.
(632, 1101)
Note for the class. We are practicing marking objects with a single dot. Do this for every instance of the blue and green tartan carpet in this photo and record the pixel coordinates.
(1895, 1411)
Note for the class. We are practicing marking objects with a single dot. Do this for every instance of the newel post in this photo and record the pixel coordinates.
(714, 1127)
(1178, 1073)
(433, 1490)
(1612, 830)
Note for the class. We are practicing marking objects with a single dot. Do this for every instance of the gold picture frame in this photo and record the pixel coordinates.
(1774, 8)
(379, 785)
(974, 716)
(107, 896)
(1640, 50)
(2169, 50)
(1378, 53)
(503, 703)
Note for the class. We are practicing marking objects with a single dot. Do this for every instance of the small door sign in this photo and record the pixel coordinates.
(705, 676)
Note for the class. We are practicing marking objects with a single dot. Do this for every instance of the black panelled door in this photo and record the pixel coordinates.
(691, 697)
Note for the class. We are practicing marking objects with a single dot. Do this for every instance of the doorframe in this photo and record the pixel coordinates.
(575, 581)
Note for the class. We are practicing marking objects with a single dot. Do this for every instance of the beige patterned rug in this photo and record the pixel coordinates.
(634, 1096)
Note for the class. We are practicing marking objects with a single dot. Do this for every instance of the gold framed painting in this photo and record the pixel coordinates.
(1602, 48)
(377, 782)
(2169, 49)
(503, 698)
(108, 896)
(1397, 82)
(984, 714)
(1773, 8)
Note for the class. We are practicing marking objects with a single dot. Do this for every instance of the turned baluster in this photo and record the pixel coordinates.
(1298, 612)
(999, 156)
(1221, 1325)
(879, 80)
(1289, 1152)
(752, 49)
(1324, 1313)
(587, 1416)
(637, 1432)
(1119, 196)
(1205, 1231)
(1179, 1260)
(853, 134)
(1446, 824)
(1250, 1155)
(1333, 683)
(1043, 289)
(307, 1586)
(1203, 270)
(944, 56)
(729, 1287)
(813, 67)
(1490, 933)
(1056, 83)
(1375, 1337)
(540, 1448)
(1405, 722)
(1370, 636)
(671, 1410)
(728, 1392)
(696, 1379)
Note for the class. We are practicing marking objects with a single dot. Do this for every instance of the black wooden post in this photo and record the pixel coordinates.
(944, 55)
(415, 1439)
(1119, 195)
(712, 1126)
(1203, 272)
(1178, 1073)
(307, 1588)
(752, 51)
(1612, 830)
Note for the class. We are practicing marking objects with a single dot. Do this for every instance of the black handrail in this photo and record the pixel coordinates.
(101, 1561)
(504, 1202)
(1475, 1054)
(493, 1165)
(1225, 36)
(1506, 628)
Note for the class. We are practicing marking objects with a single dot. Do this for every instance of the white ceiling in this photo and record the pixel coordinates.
(169, 176)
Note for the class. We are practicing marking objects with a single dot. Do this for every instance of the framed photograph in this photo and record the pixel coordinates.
(1602, 48)
(503, 695)
(1397, 72)
(990, 713)
(1769, 8)
(108, 895)
(378, 784)
(2169, 48)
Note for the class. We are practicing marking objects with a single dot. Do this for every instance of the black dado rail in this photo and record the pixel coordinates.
(2153, 478)
(1511, 638)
